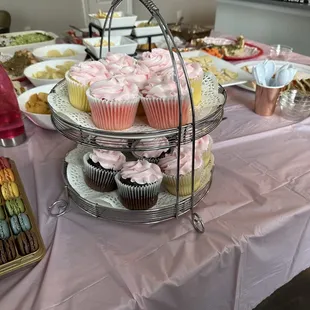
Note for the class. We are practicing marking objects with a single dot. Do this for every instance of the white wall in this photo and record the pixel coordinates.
(56, 15)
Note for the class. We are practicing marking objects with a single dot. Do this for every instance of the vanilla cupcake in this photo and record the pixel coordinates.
(80, 77)
(168, 165)
(161, 105)
(153, 156)
(138, 184)
(113, 104)
(101, 167)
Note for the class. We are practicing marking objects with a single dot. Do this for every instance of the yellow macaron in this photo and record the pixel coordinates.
(9, 190)
(6, 175)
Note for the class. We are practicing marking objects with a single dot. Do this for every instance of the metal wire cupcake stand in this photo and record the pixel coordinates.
(107, 206)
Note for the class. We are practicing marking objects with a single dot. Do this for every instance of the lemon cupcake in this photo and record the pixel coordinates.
(80, 77)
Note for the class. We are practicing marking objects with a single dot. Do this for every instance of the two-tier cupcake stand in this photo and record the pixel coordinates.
(77, 126)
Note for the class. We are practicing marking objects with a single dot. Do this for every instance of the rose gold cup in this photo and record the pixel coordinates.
(266, 99)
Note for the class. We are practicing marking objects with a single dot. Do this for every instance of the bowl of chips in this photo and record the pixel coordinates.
(59, 51)
(48, 72)
(33, 103)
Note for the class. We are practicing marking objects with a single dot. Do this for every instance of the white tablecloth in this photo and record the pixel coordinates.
(256, 218)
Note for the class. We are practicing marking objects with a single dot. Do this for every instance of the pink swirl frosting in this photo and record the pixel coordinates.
(166, 89)
(194, 71)
(108, 159)
(89, 72)
(120, 59)
(114, 89)
(141, 172)
(201, 145)
(149, 143)
(153, 81)
(137, 74)
(169, 163)
(157, 60)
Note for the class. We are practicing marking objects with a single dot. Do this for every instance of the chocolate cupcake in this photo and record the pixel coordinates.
(100, 168)
(152, 156)
(138, 184)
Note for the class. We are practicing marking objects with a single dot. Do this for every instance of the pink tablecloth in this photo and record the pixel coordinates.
(256, 217)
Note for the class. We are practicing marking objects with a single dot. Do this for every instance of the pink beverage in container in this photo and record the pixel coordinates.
(12, 131)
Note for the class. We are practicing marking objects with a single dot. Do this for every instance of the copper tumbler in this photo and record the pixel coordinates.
(266, 100)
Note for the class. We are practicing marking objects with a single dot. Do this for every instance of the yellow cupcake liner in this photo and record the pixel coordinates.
(196, 85)
(185, 187)
(77, 94)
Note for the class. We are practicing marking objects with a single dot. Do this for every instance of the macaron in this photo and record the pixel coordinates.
(2, 215)
(9, 248)
(6, 175)
(2, 201)
(16, 227)
(24, 221)
(4, 163)
(14, 206)
(26, 243)
(9, 190)
(4, 230)
(3, 258)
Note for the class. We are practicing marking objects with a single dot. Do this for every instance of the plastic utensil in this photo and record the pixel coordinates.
(259, 74)
(270, 69)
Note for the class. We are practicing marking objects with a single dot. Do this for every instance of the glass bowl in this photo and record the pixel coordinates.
(280, 52)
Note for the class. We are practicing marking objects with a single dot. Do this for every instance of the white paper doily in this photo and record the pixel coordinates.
(75, 178)
(59, 101)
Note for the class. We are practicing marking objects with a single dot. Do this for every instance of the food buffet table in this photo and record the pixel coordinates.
(256, 218)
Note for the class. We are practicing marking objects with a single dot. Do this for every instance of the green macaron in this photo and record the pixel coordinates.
(14, 206)
(24, 221)
(2, 215)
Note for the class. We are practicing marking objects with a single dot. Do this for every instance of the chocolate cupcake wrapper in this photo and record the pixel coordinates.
(77, 94)
(185, 187)
(138, 197)
(113, 114)
(163, 113)
(98, 179)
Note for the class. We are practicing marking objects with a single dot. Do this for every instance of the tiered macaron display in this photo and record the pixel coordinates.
(138, 183)
(112, 89)
(18, 237)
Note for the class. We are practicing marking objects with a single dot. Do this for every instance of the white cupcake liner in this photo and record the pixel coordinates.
(185, 187)
(113, 114)
(77, 94)
(138, 197)
(102, 180)
(163, 113)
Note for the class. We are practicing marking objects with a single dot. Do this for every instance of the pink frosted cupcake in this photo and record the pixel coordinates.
(157, 60)
(161, 105)
(120, 59)
(168, 165)
(80, 77)
(113, 104)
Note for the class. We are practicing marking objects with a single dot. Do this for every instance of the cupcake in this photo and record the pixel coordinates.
(138, 184)
(80, 77)
(161, 105)
(152, 156)
(100, 168)
(122, 60)
(195, 75)
(113, 104)
(168, 165)
(157, 60)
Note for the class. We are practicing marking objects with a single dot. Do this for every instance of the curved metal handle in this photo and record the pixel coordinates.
(198, 223)
(62, 207)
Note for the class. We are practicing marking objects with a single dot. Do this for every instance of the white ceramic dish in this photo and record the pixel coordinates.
(41, 52)
(145, 31)
(121, 45)
(303, 71)
(243, 77)
(13, 48)
(145, 41)
(41, 66)
(117, 22)
(41, 120)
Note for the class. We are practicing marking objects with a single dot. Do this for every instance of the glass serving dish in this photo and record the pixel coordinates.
(280, 52)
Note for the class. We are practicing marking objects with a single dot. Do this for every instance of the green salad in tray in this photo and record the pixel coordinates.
(29, 38)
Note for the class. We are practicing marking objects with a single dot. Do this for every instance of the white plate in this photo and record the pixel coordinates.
(303, 71)
(243, 77)
(30, 47)
(41, 52)
(156, 39)
(41, 66)
(121, 45)
(145, 31)
(41, 120)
